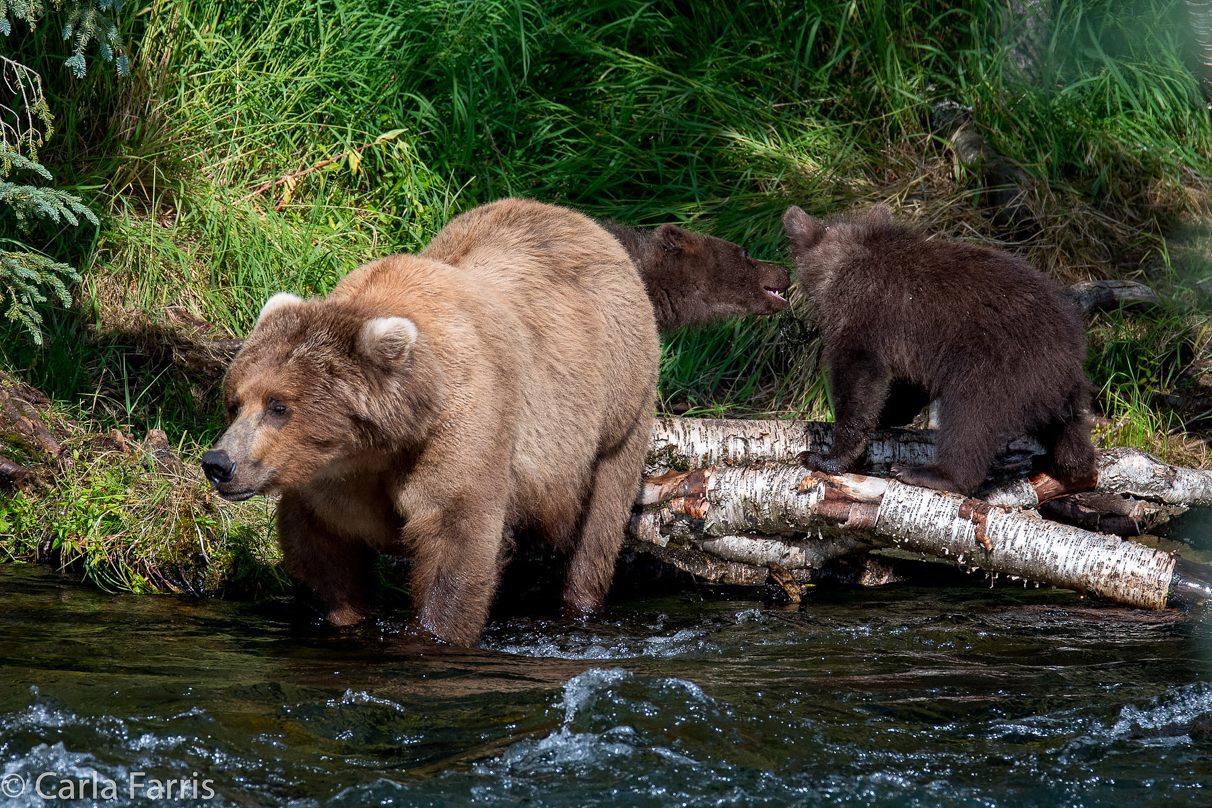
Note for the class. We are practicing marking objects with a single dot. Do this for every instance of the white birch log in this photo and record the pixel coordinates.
(809, 517)
(687, 443)
(1130, 471)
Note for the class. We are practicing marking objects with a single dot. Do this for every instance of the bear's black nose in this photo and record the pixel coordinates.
(217, 466)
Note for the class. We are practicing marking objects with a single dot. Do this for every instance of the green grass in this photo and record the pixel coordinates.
(1133, 361)
(713, 114)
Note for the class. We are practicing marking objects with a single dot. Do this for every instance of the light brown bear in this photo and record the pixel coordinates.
(694, 278)
(431, 405)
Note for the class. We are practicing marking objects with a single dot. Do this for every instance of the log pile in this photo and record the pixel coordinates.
(729, 502)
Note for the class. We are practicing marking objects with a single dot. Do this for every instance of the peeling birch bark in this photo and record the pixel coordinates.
(1200, 12)
(761, 551)
(809, 517)
(1130, 471)
(1023, 546)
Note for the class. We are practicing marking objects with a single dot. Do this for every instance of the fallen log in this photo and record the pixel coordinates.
(805, 518)
(20, 423)
(12, 474)
(689, 443)
(1002, 181)
(1094, 296)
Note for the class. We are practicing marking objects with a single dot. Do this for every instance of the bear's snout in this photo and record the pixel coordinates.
(218, 466)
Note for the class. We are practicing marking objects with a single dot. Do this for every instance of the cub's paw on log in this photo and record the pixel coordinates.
(822, 462)
(925, 477)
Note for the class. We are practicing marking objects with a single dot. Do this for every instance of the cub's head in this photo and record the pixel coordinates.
(707, 278)
(821, 249)
(316, 385)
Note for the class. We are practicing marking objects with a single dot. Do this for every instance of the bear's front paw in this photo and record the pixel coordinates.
(819, 462)
(924, 477)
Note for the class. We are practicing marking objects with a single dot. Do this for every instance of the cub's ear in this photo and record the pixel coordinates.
(387, 339)
(880, 214)
(803, 230)
(279, 301)
(672, 238)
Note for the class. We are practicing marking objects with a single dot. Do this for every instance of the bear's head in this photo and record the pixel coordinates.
(710, 278)
(318, 384)
(821, 249)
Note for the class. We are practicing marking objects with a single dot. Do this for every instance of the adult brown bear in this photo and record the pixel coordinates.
(431, 405)
(995, 342)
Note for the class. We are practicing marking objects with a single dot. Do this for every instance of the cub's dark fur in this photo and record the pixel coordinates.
(995, 342)
(693, 278)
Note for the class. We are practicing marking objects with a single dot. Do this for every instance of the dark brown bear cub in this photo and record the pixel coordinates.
(692, 278)
(995, 342)
(433, 404)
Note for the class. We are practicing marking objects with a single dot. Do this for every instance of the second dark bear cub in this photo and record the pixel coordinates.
(692, 278)
(994, 341)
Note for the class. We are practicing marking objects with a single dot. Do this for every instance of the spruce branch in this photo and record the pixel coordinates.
(28, 123)
(87, 21)
(11, 159)
(24, 275)
(59, 206)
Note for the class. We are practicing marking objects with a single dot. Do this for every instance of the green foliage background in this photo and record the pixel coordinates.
(713, 113)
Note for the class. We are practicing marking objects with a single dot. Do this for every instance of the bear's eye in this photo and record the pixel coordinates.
(233, 408)
(277, 408)
(745, 254)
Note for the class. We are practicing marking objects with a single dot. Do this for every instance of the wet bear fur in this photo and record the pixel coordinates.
(694, 278)
(995, 342)
(502, 380)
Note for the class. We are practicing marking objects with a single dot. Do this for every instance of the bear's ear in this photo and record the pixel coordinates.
(278, 301)
(388, 340)
(803, 230)
(671, 238)
(880, 214)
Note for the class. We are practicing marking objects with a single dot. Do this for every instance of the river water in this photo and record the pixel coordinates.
(956, 696)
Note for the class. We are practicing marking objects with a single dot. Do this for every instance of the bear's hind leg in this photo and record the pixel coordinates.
(333, 568)
(613, 489)
(964, 448)
(456, 563)
(1069, 452)
(860, 386)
